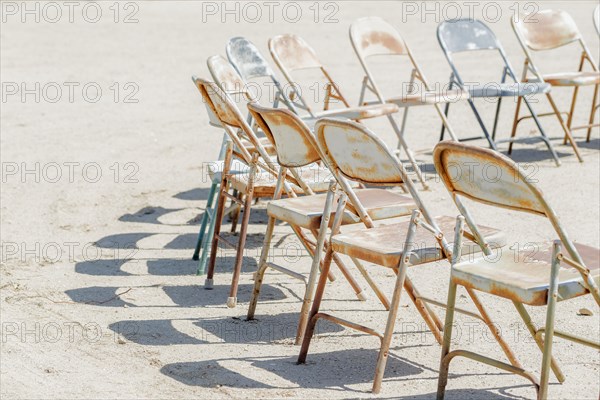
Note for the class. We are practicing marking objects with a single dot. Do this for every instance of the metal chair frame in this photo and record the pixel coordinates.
(480, 37)
(297, 147)
(373, 36)
(557, 36)
(292, 53)
(236, 127)
(515, 192)
(230, 82)
(380, 168)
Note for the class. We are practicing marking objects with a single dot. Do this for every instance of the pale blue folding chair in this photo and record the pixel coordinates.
(250, 64)
(467, 35)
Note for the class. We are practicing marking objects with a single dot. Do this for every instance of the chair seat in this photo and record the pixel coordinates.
(360, 112)
(573, 78)
(509, 89)
(307, 211)
(384, 245)
(524, 276)
(316, 177)
(429, 97)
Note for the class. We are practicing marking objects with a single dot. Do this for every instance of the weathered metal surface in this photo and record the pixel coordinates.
(247, 59)
(547, 29)
(361, 112)
(486, 176)
(222, 107)
(293, 52)
(307, 211)
(460, 35)
(296, 146)
(226, 76)
(508, 89)
(429, 97)
(357, 154)
(374, 36)
(523, 275)
(384, 245)
(582, 78)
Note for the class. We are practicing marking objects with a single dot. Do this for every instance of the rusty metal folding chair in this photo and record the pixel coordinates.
(231, 83)
(466, 35)
(291, 53)
(259, 182)
(297, 147)
(540, 279)
(547, 30)
(353, 152)
(250, 64)
(373, 36)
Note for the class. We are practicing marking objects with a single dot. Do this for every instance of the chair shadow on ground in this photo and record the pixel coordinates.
(345, 368)
(181, 296)
(196, 194)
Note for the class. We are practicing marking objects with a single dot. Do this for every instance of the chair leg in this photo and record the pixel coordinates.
(564, 126)
(533, 331)
(549, 332)
(430, 318)
(205, 252)
(496, 118)
(312, 321)
(380, 295)
(205, 219)
(592, 114)
(314, 269)
(443, 129)
(445, 121)
(262, 268)
(408, 152)
(490, 324)
(392, 315)
(223, 187)
(571, 111)
(542, 132)
(513, 133)
(485, 131)
(236, 214)
(239, 258)
(444, 362)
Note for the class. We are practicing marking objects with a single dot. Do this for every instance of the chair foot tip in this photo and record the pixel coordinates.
(195, 257)
(208, 284)
(362, 296)
(231, 302)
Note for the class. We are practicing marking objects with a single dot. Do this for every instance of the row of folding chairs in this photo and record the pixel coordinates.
(316, 169)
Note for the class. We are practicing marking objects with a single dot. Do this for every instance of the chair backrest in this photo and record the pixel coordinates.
(546, 29)
(352, 151)
(293, 140)
(597, 19)
(232, 120)
(247, 59)
(226, 76)
(357, 153)
(291, 53)
(456, 36)
(372, 36)
(488, 177)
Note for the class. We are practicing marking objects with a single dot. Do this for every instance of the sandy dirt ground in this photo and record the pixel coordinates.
(104, 143)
